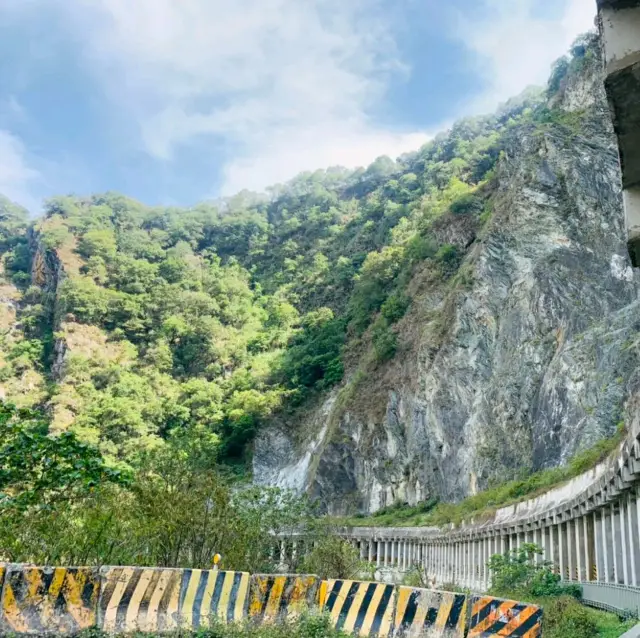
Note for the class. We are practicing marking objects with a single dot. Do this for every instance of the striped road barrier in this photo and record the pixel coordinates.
(425, 613)
(359, 608)
(277, 597)
(58, 601)
(496, 617)
(156, 600)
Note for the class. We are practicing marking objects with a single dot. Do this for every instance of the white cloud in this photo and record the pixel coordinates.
(17, 177)
(280, 85)
(514, 47)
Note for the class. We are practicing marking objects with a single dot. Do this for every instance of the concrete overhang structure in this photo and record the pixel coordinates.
(619, 22)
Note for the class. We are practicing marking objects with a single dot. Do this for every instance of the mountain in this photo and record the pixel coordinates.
(418, 329)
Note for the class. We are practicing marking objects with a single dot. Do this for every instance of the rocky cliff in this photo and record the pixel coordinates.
(528, 356)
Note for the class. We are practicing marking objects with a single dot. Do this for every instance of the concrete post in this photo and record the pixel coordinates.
(589, 549)
(473, 563)
(468, 570)
(623, 541)
(615, 545)
(637, 496)
(562, 547)
(597, 541)
(571, 538)
(577, 526)
(552, 548)
(632, 536)
(607, 546)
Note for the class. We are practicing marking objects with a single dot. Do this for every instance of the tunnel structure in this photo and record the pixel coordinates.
(619, 24)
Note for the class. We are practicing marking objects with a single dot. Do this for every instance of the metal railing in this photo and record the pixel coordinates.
(619, 599)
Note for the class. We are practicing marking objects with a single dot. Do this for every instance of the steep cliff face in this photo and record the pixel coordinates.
(526, 357)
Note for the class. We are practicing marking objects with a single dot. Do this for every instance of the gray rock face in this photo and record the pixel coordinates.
(528, 362)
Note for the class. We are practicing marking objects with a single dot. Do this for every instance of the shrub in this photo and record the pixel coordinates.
(467, 205)
(385, 341)
(449, 257)
(395, 307)
(520, 572)
(565, 617)
(333, 557)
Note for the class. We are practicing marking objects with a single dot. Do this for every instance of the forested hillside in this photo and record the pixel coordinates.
(134, 321)
(129, 326)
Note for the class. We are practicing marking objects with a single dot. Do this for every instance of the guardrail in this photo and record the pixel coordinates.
(621, 600)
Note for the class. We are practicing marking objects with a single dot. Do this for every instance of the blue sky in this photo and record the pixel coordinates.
(176, 101)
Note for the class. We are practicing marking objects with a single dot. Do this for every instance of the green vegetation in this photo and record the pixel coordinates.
(218, 317)
(215, 318)
(521, 575)
(484, 504)
(143, 348)
(310, 626)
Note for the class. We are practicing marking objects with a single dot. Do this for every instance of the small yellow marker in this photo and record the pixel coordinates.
(216, 561)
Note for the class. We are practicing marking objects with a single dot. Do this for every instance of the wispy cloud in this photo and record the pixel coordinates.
(17, 177)
(513, 44)
(279, 86)
(275, 87)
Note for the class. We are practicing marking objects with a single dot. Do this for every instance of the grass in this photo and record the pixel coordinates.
(563, 618)
(311, 626)
(484, 504)
(567, 618)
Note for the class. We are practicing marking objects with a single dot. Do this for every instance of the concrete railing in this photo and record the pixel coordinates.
(588, 528)
(616, 598)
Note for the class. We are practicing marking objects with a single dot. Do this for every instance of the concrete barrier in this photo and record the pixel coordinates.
(57, 601)
(430, 614)
(276, 597)
(138, 599)
(62, 601)
(360, 608)
(495, 617)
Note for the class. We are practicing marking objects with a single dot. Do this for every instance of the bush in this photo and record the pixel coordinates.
(520, 573)
(385, 341)
(449, 257)
(567, 618)
(311, 625)
(395, 307)
(467, 205)
(333, 557)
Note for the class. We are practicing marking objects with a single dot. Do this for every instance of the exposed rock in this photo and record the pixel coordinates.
(527, 361)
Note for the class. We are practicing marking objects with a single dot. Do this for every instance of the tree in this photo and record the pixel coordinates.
(39, 470)
(98, 243)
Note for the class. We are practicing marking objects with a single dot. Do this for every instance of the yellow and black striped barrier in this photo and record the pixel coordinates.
(55, 601)
(360, 608)
(495, 617)
(138, 599)
(275, 597)
(433, 614)
(63, 601)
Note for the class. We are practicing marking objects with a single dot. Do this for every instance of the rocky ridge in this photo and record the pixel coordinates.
(528, 358)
